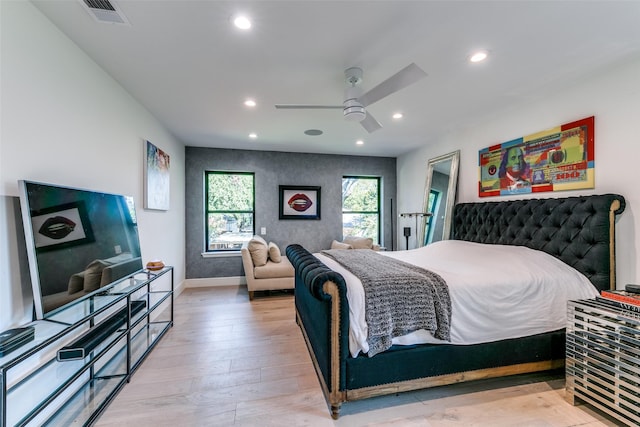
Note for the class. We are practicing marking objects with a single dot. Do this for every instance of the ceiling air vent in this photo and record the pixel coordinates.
(105, 11)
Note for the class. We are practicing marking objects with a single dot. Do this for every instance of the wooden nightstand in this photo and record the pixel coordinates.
(603, 358)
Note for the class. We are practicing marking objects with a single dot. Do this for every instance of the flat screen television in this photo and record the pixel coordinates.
(78, 242)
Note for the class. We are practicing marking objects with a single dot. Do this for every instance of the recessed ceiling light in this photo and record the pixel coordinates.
(479, 56)
(359, 142)
(242, 22)
(253, 135)
(397, 116)
(313, 132)
(250, 103)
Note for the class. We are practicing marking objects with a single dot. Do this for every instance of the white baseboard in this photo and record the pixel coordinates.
(215, 281)
(178, 289)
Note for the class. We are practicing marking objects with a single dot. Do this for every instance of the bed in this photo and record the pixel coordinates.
(579, 231)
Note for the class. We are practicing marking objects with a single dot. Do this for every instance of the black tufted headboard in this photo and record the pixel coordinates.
(578, 230)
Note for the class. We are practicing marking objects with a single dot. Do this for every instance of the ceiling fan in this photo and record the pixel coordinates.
(355, 101)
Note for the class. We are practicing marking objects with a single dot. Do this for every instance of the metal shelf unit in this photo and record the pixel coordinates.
(38, 389)
(603, 358)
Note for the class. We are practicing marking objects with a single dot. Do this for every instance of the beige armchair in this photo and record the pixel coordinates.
(265, 268)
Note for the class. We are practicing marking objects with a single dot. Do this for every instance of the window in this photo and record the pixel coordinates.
(361, 207)
(434, 205)
(229, 210)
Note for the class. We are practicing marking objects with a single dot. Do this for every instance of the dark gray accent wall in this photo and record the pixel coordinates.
(271, 170)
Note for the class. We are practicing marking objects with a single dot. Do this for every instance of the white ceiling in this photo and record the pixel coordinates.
(192, 69)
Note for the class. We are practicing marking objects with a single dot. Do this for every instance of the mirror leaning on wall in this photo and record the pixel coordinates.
(439, 198)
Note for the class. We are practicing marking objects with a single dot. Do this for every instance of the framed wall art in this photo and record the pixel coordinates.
(556, 159)
(299, 202)
(156, 178)
(61, 226)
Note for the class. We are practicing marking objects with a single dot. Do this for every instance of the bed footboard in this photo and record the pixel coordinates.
(323, 315)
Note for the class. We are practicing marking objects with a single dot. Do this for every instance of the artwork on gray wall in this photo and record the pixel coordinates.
(299, 202)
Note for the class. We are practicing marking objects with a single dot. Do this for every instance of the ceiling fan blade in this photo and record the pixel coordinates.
(307, 107)
(403, 78)
(370, 124)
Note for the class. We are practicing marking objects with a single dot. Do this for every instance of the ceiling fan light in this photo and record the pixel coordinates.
(355, 113)
(353, 110)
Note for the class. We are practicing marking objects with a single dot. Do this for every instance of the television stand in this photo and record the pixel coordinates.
(83, 354)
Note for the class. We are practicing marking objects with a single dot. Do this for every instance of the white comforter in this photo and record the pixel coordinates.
(497, 292)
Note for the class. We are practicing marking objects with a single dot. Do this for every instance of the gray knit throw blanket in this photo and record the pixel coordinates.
(399, 297)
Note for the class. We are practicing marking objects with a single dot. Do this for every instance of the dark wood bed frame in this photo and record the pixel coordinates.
(578, 230)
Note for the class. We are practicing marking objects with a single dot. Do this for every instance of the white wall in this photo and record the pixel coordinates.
(65, 121)
(613, 97)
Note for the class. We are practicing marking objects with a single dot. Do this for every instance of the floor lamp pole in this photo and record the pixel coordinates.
(407, 233)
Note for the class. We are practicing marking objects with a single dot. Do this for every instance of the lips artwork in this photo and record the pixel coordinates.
(57, 227)
(299, 202)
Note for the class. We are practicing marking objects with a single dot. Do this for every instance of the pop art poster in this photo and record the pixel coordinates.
(556, 159)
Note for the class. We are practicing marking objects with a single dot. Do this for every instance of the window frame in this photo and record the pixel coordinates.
(207, 212)
(379, 203)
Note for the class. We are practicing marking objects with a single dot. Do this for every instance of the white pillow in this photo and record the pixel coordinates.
(274, 252)
(339, 245)
(259, 251)
(359, 242)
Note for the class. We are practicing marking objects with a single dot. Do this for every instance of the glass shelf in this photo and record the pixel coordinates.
(43, 331)
(37, 389)
(93, 393)
(146, 338)
(31, 392)
(81, 310)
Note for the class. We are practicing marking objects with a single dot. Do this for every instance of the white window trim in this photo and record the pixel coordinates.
(225, 254)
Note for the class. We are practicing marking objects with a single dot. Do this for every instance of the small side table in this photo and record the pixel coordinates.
(603, 358)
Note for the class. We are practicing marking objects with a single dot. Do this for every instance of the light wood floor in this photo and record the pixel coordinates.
(231, 362)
